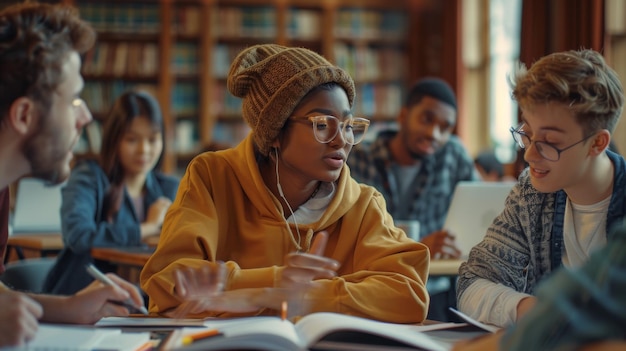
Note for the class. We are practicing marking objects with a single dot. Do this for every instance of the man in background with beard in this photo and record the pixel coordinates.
(416, 168)
(41, 119)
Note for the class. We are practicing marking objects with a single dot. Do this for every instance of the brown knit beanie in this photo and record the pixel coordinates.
(272, 79)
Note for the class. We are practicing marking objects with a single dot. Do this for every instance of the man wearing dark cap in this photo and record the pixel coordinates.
(416, 168)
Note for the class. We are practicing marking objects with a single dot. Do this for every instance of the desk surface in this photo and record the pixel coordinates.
(128, 256)
(125, 256)
(52, 241)
(445, 267)
(43, 244)
(140, 257)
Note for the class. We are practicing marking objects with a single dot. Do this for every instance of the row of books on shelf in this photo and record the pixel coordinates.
(363, 63)
(131, 17)
(185, 98)
(140, 17)
(367, 64)
(223, 56)
(260, 22)
(378, 101)
(187, 20)
(224, 133)
(370, 24)
(304, 24)
(251, 22)
(133, 59)
(99, 96)
(373, 101)
(230, 133)
(225, 104)
(141, 59)
(185, 59)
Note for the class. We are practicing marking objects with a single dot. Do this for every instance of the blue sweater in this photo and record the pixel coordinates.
(577, 307)
(524, 244)
(84, 223)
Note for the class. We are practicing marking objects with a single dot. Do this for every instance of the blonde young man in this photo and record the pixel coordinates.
(41, 118)
(569, 197)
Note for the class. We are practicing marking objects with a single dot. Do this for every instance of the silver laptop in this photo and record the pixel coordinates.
(473, 208)
(37, 208)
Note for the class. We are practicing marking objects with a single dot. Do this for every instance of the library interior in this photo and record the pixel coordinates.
(180, 52)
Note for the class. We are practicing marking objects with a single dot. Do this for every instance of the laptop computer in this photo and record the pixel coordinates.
(473, 208)
(37, 208)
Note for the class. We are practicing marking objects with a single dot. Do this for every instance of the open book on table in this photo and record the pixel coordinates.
(60, 337)
(321, 331)
(148, 322)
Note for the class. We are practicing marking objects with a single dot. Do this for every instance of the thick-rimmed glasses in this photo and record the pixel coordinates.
(546, 150)
(325, 128)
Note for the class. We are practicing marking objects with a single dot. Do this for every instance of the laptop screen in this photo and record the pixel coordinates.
(37, 207)
(474, 206)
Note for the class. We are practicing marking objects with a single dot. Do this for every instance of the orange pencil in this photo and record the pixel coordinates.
(146, 347)
(283, 310)
(191, 338)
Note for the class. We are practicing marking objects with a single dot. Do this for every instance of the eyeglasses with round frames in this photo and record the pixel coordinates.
(546, 150)
(325, 128)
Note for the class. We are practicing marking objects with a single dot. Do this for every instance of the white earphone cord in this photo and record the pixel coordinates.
(295, 221)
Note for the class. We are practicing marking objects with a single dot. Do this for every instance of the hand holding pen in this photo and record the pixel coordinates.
(92, 303)
(104, 279)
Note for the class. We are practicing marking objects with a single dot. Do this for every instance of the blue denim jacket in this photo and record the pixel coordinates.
(84, 223)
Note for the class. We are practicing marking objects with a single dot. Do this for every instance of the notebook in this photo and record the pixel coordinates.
(473, 207)
(58, 337)
(37, 207)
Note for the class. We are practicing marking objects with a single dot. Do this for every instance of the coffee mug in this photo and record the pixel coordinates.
(411, 228)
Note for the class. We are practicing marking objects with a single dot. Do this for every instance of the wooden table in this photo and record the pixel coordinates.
(129, 260)
(134, 257)
(445, 267)
(127, 256)
(43, 244)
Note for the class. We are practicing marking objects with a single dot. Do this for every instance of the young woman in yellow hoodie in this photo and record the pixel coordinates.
(241, 230)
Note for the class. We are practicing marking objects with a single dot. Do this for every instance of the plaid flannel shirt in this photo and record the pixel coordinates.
(432, 187)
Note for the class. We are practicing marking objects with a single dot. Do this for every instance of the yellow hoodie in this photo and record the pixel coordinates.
(223, 211)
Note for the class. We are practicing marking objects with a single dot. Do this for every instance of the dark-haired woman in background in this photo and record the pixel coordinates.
(119, 199)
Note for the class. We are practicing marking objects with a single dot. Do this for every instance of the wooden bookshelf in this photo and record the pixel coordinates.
(181, 51)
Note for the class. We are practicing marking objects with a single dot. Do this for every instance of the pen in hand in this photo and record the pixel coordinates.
(101, 277)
